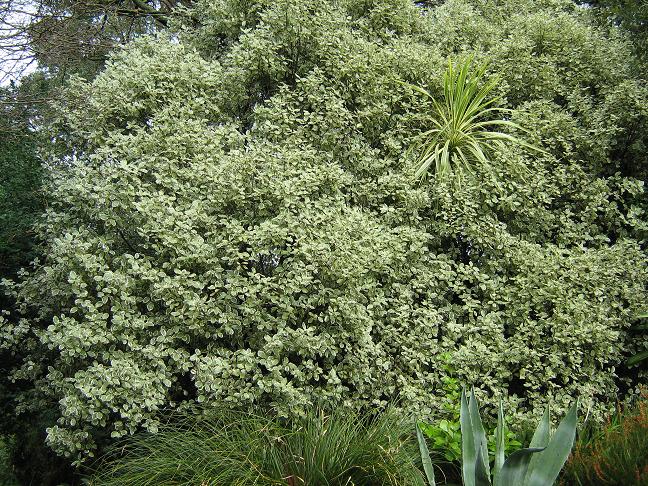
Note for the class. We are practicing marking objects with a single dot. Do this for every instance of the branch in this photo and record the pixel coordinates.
(157, 15)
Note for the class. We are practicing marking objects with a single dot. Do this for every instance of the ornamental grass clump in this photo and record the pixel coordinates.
(614, 454)
(236, 448)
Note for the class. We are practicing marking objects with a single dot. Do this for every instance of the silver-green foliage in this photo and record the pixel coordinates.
(537, 465)
(232, 220)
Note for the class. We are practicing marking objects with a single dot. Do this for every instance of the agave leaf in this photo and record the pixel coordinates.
(468, 446)
(515, 468)
(545, 470)
(479, 433)
(541, 435)
(425, 457)
(482, 476)
(499, 440)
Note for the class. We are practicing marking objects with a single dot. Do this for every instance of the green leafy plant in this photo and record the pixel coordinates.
(445, 436)
(21, 201)
(228, 221)
(340, 448)
(537, 465)
(510, 443)
(614, 453)
(467, 125)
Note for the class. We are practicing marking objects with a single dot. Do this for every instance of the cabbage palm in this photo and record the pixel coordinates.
(467, 126)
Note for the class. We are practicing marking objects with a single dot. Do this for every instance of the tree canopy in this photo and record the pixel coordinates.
(72, 35)
(20, 176)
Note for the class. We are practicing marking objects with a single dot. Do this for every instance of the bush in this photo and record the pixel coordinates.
(234, 221)
(336, 449)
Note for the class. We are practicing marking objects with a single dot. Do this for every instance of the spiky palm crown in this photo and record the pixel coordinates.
(467, 126)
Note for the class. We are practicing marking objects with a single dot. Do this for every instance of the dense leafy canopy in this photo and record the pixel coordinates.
(629, 15)
(234, 219)
(20, 177)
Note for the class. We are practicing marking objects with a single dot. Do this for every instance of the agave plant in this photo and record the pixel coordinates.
(537, 465)
(467, 126)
